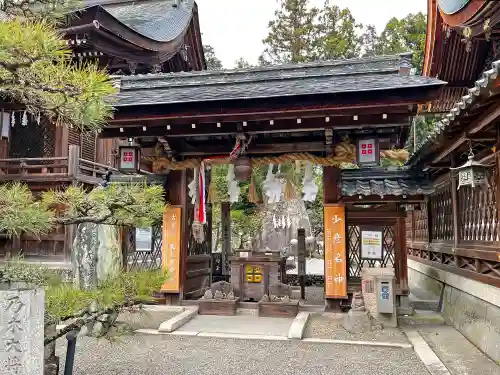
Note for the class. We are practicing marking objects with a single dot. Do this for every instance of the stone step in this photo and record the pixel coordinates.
(430, 305)
(422, 317)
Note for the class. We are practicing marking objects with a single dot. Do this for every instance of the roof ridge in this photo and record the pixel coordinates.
(262, 79)
(271, 68)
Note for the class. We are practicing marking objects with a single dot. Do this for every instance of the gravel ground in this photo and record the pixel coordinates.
(329, 326)
(166, 354)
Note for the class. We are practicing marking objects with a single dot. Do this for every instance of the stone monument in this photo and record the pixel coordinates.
(371, 277)
(22, 331)
(358, 319)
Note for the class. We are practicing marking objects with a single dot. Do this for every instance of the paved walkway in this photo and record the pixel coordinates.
(241, 324)
(167, 354)
(456, 352)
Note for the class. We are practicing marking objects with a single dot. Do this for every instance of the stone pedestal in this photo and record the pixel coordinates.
(358, 321)
(22, 328)
(370, 278)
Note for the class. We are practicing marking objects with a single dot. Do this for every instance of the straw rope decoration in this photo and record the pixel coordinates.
(344, 153)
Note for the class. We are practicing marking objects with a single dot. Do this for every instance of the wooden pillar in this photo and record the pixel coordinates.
(225, 213)
(402, 253)
(176, 195)
(331, 194)
(301, 260)
(454, 203)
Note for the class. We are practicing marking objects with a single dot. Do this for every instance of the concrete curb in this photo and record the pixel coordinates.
(425, 353)
(241, 336)
(163, 308)
(238, 336)
(296, 330)
(361, 343)
(179, 320)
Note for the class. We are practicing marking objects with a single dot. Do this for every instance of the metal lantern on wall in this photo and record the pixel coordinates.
(129, 158)
(368, 152)
(472, 173)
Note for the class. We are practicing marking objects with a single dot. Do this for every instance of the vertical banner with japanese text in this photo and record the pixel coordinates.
(170, 250)
(335, 251)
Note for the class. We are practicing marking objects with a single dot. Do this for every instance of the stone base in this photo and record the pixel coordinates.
(223, 307)
(358, 321)
(279, 309)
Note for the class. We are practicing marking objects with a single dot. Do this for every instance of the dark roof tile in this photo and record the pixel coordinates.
(155, 19)
(327, 77)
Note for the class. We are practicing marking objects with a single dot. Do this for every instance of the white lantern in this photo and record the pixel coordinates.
(472, 173)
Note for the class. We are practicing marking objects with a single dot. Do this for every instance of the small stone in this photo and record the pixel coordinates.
(208, 295)
(358, 321)
(218, 294)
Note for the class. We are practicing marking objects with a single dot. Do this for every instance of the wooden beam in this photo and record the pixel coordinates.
(371, 199)
(252, 127)
(257, 111)
(475, 127)
(277, 148)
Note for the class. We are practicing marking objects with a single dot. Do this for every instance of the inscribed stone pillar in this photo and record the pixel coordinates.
(22, 331)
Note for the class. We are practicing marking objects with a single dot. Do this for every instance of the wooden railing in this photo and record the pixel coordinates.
(458, 231)
(27, 168)
(71, 168)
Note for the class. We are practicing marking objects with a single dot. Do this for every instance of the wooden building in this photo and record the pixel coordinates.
(453, 238)
(458, 230)
(125, 37)
(288, 109)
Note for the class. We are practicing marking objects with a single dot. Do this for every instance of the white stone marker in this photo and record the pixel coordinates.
(21, 331)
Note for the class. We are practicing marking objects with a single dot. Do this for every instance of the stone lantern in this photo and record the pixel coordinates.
(472, 173)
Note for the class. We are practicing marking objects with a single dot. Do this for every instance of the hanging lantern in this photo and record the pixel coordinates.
(242, 169)
(472, 173)
(129, 158)
(368, 152)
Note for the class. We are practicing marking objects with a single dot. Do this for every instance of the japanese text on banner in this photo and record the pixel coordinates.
(335, 252)
(171, 248)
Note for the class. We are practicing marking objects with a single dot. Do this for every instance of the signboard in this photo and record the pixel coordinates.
(371, 244)
(216, 264)
(335, 251)
(253, 274)
(143, 239)
(367, 152)
(171, 247)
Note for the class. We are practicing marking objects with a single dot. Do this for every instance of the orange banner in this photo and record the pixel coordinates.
(171, 248)
(335, 251)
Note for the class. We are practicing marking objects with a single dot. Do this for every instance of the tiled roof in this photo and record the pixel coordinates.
(384, 181)
(159, 20)
(481, 87)
(385, 187)
(326, 77)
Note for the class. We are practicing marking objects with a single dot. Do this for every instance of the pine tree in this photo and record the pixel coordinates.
(337, 34)
(37, 71)
(291, 33)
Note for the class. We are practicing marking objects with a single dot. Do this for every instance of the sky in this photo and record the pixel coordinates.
(235, 28)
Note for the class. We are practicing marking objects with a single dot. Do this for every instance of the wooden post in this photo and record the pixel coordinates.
(454, 203)
(73, 160)
(176, 194)
(331, 194)
(225, 213)
(301, 258)
(401, 243)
